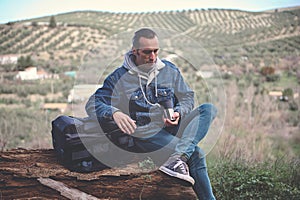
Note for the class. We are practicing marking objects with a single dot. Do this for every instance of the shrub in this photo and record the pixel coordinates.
(226, 76)
(24, 62)
(272, 77)
(267, 71)
(256, 82)
(288, 92)
(293, 106)
(298, 76)
(22, 92)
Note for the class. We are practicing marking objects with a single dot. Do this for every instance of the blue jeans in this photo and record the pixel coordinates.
(192, 130)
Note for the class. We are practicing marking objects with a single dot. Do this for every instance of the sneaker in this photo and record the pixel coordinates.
(176, 167)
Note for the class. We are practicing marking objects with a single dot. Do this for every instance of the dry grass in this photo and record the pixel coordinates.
(255, 128)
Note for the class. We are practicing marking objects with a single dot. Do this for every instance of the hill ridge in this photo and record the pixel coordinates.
(220, 31)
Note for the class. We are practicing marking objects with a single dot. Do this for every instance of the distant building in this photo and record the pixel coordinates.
(205, 74)
(55, 106)
(43, 23)
(82, 92)
(275, 94)
(30, 73)
(8, 59)
(42, 74)
(70, 74)
(278, 95)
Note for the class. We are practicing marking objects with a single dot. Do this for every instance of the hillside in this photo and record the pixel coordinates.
(227, 35)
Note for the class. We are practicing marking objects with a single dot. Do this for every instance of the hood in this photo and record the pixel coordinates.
(149, 76)
(133, 69)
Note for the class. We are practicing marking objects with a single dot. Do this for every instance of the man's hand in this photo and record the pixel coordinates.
(124, 122)
(168, 122)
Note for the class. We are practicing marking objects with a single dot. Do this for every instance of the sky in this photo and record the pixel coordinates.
(14, 10)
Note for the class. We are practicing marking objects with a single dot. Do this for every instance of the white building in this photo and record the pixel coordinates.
(80, 93)
(30, 73)
(8, 59)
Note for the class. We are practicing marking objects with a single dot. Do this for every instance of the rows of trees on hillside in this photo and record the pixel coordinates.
(228, 35)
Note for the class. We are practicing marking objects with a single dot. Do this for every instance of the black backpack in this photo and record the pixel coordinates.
(76, 140)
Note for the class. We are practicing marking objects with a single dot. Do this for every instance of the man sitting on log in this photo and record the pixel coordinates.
(148, 100)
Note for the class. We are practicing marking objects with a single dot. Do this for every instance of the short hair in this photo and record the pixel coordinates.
(143, 32)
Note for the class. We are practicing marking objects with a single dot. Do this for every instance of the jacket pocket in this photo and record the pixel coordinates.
(165, 94)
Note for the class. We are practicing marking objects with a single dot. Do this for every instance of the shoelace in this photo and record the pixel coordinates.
(181, 165)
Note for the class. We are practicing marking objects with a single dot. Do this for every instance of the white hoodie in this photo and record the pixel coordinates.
(149, 76)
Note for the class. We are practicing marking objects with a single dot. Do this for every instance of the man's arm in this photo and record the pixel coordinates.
(100, 106)
(185, 97)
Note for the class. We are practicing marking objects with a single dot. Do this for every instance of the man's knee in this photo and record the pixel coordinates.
(208, 109)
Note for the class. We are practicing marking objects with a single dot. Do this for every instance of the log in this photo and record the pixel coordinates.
(36, 173)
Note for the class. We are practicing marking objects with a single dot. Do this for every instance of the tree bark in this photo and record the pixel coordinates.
(36, 173)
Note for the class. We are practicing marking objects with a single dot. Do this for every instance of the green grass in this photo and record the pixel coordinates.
(236, 179)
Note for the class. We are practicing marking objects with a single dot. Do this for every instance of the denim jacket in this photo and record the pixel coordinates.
(128, 91)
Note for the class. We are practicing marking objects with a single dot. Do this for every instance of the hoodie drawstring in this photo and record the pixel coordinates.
(143, 92)
(130, 65)
(155, 79)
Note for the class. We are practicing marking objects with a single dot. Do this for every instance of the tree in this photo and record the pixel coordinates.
(36, 174)
(288, 92)
(52, 23)
(34, 23)
(265, 71)
(24, 62)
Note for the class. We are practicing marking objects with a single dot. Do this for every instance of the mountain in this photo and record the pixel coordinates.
(229, 36)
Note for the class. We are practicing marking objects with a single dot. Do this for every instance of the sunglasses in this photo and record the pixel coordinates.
(149, 51)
